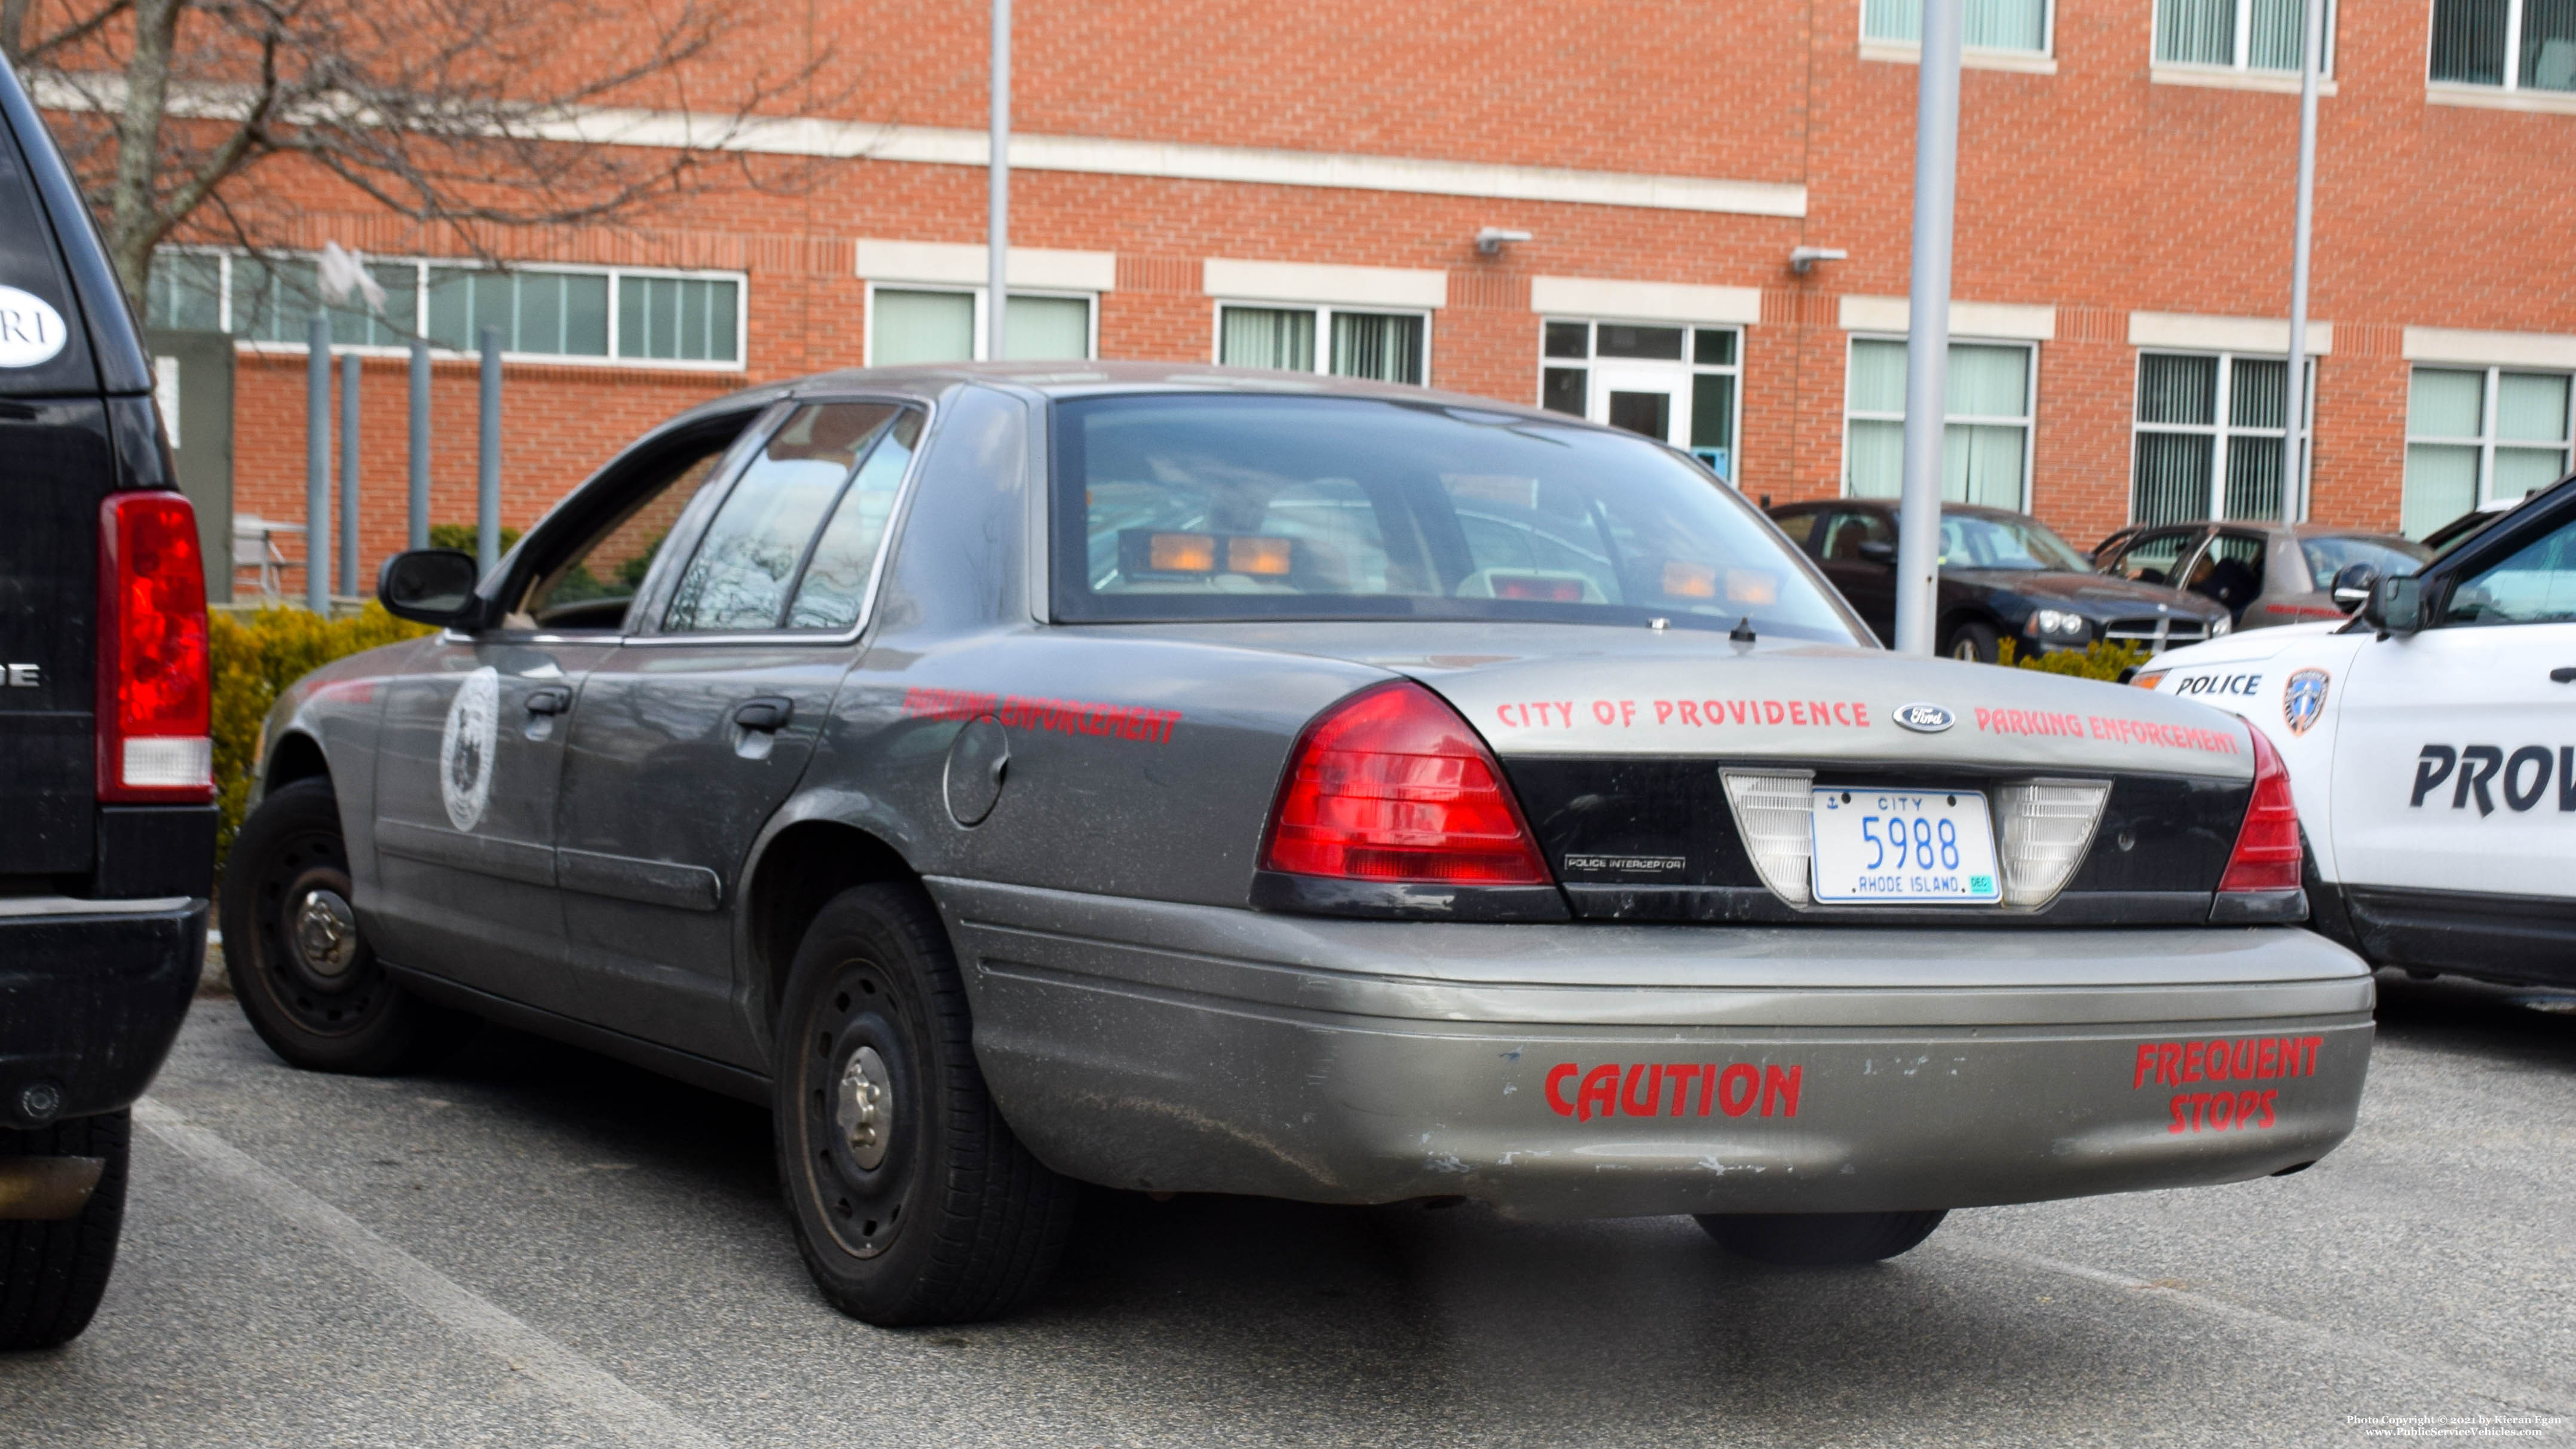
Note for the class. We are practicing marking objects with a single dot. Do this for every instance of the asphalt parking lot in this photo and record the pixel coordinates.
(539, 1246)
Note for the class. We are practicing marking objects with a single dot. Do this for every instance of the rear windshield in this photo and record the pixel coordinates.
(1970, 541)
(1225, 507)
(2328, 557)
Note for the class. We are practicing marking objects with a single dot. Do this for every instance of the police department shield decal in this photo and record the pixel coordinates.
(2303, 699)
(465, 748)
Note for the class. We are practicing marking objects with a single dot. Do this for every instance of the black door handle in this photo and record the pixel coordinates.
(2563, 674)
(550, 701)
(766, 714)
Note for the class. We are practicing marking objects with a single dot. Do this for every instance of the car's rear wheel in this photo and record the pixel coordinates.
(1975, 642)
(52, 1272)
(300, 966)
(912, 1201)
(1820, 1240)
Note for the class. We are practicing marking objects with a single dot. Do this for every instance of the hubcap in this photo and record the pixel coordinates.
(865, 1109)
(326, 933)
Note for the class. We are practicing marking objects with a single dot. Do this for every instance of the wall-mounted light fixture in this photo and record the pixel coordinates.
(1490, 240)
(1802, 260)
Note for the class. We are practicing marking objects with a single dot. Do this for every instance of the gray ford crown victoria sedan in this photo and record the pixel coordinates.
(1202, 781)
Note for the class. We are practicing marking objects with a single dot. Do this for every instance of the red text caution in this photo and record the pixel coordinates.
(1641, 1089)
(1063, 716)
(2224, 1059)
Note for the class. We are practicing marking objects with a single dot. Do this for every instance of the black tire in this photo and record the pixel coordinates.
(325, 1009)
(52, 1273)
(912, 1201)
(1820, 1240)
(1975, 642)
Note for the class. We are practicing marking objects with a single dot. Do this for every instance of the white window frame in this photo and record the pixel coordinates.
(983, 341)
(1974, 57)
(2512, 82)
(1688, 367)
(2241, 71)
(2220, 428)
(2486, 442)
(421, 267)
(1323, 327)
(2028, 421)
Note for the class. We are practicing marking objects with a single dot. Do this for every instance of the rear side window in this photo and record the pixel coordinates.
(748, 566)
(834, 590)
(1231, 507)
(42, 350)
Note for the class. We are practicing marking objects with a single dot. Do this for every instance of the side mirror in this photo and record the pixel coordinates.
(428, 585)
(2352, 586)
(2396, 606)
(1878, 552)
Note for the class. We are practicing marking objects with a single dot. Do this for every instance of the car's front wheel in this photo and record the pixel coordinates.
(912, 1201)
(1820, 1240)
(301, 968)
(1974, 642)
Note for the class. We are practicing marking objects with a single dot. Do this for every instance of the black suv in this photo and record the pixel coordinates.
(2003, 576)
(107, 818)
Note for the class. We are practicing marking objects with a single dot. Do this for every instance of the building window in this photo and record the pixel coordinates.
(1675, 384)
(1985, 432)
(2476, 436)
(946, 324)
(2237, 34)
(1983, 24)
(2209, 435)
(543, 312)
(2513, 44)
(1345, 342)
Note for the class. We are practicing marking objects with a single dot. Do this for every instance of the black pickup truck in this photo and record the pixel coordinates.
(107, 818)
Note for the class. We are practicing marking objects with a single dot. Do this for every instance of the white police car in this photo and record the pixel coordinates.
(2431, 744)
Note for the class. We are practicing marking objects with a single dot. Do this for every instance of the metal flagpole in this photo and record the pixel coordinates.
(998, 230)
(487, 472)
(2294, 456)
(348, 474)
(419, 534)
(1927, 339)
(317, 466)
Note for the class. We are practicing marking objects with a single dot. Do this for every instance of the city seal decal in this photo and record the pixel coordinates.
(31, 331)
(465, 749)
(1925, 719)
(2303, 699)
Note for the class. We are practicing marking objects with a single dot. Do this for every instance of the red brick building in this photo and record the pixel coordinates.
(1306, 186)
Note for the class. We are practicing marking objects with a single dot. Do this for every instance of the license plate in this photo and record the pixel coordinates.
(1904, 845)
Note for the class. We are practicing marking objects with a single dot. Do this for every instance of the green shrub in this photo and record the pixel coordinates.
(2101, 659)
(464, 536)
(258, 654)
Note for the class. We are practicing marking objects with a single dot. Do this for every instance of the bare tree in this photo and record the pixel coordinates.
(464, 116)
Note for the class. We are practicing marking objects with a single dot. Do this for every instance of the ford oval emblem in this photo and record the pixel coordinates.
(1925, 719)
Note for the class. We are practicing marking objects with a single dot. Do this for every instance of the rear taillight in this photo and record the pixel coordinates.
(154, 676)
(1392, 785)
(2267, 844)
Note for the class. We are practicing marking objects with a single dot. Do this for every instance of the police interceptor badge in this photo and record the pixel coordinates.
(2303, 699)
(1925, 719)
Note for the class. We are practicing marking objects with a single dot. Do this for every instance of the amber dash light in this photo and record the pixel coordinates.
(1247, 554)
(1686, 580)
(154, 675)
(2267, 855)
(1183, 553)
(1391, 785)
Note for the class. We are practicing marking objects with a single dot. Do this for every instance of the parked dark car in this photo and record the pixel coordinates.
(2003, 575)
(2265, 575)
(107, 822)
(2467, 526)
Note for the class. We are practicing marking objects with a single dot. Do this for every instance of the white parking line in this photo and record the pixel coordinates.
(2323, 1339)
(628, 1416)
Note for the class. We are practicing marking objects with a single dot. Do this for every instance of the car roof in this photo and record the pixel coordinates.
(1077, 378)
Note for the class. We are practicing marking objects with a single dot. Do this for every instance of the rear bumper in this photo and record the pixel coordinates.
(1591, 1070)
(91, 995)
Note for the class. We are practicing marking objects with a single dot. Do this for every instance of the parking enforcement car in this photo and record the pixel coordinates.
(1184, 780)
(2432, 747)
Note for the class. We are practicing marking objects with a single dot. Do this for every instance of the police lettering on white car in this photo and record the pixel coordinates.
(2431, 743)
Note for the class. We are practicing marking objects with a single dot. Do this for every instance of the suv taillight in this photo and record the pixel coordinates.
(155, 680)
(2267, 844)
(1391, 785)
